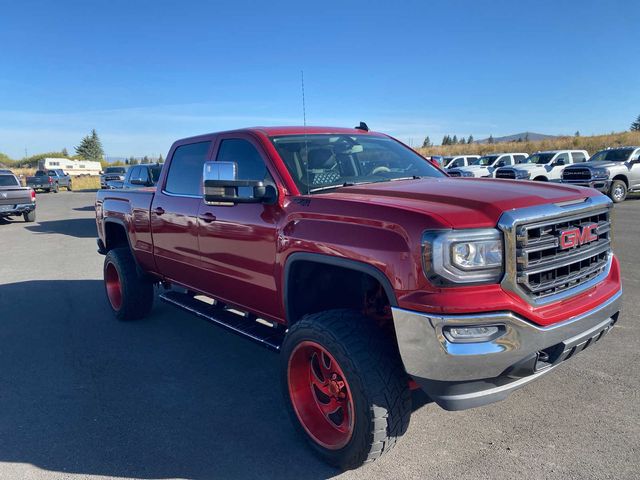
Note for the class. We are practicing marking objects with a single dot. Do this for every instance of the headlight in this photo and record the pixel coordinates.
(467, 174)
(600, 173)
(463, 256)
(523, 175)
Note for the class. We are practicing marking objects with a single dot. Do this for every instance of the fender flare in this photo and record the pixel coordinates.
(348, 263)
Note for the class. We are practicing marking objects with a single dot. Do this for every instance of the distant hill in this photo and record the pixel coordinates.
(524, 136)
(592, 144)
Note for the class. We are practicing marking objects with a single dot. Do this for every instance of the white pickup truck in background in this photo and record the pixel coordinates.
(544, 166)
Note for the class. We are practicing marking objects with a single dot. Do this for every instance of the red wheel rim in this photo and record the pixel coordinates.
(114, 287)
(320, 395)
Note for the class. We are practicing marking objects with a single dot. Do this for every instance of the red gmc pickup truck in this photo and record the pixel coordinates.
(368, 269)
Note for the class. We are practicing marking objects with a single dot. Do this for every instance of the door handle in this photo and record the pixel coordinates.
(159, 211)
(207, 217)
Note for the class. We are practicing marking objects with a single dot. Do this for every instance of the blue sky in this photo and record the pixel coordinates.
(144, 73)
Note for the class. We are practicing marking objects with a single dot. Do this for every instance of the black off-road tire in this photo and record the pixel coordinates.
(618, 191)
(29, 216)
(69, 187)
(369, 358)
(136, 291)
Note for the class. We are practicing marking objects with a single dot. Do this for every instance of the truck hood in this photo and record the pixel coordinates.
(468, 203)
(599, 164)
(471, 168)
(527, 167)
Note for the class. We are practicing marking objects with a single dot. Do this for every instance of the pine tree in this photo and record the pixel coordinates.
(65, 152)
(145, 160)
(462, 141)
(454, 140)
(490, 139)
(161, 158)
(90, 147)
(577, 133)
(445, 140)
(470, 139)
(635, 126)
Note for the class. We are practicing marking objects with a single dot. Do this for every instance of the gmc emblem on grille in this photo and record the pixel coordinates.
(574, 236)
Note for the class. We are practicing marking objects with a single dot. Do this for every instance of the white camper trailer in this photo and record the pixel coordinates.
(71, 167)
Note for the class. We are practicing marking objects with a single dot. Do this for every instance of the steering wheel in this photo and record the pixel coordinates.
(380, 169)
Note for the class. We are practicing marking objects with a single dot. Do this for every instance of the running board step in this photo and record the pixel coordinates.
(270, 337)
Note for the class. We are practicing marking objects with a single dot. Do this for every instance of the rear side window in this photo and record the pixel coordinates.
(520, 158)
(578, 157)
(185, 172)
(8, 181)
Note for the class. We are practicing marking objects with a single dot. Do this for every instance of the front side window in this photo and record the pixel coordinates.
(504, 161)
(185, 171)
(320, 162)
(562, 159)
(541, 158)
(249, 162)
(487, 160)
(135, 173)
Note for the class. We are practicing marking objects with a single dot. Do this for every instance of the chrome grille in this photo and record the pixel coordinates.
(544, 268)
(576, 174)
(506, 174)
(454, 174)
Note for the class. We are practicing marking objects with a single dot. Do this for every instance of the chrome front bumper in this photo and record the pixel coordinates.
(464, 375)
(602, 185)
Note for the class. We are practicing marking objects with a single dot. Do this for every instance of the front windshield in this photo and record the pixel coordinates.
(487, 160)
(541, 158)
(115, 170)
(319, 162)
(614, 155)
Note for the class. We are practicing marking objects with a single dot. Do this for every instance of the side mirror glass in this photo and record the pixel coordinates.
(221, 186)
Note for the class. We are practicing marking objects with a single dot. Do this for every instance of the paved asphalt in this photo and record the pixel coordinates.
(85, 396)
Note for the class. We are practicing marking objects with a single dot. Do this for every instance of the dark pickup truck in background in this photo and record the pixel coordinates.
(16, 200)
(368, 269)
(138, 176)
(50, 181)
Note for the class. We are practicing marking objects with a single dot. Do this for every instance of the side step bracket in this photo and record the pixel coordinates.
(245, 326)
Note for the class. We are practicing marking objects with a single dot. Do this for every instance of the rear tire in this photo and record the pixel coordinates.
(345, 387)
(69, 187)
(540, 179)
(129, 294)
(55, 188)
(29, 216)
(618, 191)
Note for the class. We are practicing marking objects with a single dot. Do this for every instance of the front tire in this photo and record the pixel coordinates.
(345, 387)
(618, 191)
(129, 294)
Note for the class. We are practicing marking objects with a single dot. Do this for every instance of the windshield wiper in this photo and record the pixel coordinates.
(412, 177)
(330, 187)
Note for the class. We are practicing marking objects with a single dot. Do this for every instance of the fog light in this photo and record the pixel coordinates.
(473, 334)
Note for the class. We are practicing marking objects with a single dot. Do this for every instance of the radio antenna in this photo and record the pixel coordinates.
(304, 127)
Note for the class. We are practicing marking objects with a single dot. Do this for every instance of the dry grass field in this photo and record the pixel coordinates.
(592, 144)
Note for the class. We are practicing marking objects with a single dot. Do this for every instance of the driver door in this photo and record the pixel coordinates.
(238, 241)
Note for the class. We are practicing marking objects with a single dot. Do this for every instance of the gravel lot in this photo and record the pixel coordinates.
(84, 396)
